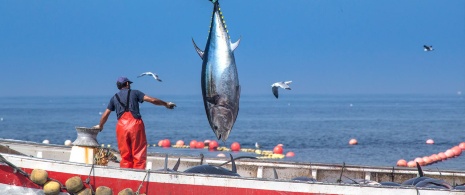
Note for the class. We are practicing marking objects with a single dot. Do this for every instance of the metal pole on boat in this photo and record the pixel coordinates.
(15, 168)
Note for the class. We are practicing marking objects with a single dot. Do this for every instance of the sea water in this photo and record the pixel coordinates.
(317, 128)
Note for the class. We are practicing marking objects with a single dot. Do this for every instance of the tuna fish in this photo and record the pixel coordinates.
(219, 78)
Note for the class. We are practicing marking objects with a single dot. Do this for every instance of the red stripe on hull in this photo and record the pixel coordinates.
(11, 178)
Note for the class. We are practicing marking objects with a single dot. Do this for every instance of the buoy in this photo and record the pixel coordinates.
(449, 153)
(420, 161)
(462, 145)
(221, 155)
(430, 141)
(46, 141)
(52, 188)
(235, 146)
(427, 160)
(442, 155)
(160, 143)
(278, 150)
(193, 144)
(166, 143)
(127, 191)
(86, 191)
(180, 143)
(258, 152)
(290, 154)
(353, 142)
(200, 145)
(103, 190)
(74, 184)
(457, 151)
(206, 142)
(402, 163)
(213, 145)
(434, 158)
(39, 176)
(411, 164)
(68, 142)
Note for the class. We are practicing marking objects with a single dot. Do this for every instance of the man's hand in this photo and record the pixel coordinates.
(170, 105)
(97, 127)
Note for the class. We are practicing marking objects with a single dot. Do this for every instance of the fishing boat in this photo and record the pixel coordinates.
(257, 176)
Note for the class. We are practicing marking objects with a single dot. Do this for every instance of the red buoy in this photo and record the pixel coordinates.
(235, 146)
(457, 151)
(290, 154)
(427, 160)
(200, 145)
(411, 164)
(160, 143)
(180, 143)
(462, 145)
(193, 143)
(166, 143)
(420, 161)
(449, 153)
(278, 150)
(442, 155)
(402, 163)
(213, 145)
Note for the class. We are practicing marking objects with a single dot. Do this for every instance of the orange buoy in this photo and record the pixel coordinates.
(193, 144)
(442, 155)
(180, 143)
(449, 153)
(166, 143)
(213, 145)
(402, 163)
(430, 141)
(235, 146)
(427, 160)
(462, 145)
(290, 154)
(200, 145)
(278, 150)
(411, 164)
(160, 143)
(434, 158)
(457, 151)
(353, 142)
(420, 161)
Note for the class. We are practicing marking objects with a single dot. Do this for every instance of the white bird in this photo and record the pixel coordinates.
(257, 146)
(284, 85)
(155, 76)
(428, 48)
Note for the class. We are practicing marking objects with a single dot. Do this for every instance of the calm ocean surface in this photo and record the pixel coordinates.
(316, 127)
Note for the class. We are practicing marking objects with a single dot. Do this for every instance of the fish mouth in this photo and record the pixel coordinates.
(222, 121)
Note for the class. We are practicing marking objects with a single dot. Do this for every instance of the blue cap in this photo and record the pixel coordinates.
(123, 80)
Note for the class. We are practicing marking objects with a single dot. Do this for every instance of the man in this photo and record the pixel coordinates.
(130, 129)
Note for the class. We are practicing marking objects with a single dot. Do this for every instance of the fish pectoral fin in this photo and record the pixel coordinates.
(235, 44)
(199, 51)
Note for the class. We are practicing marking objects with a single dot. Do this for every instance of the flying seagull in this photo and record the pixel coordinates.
(428, 48)
(155, 76)
(284, 85)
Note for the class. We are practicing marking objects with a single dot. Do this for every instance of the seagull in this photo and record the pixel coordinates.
(155, 76)
(428, 48)
(284, 85)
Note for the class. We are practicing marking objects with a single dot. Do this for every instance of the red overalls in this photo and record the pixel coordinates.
(132, 143)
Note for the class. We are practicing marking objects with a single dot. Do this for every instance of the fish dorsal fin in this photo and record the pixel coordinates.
(165, 168)
(235, 44)
(233, 164)
(199, 51)
(420, 171)
(176, 166)
(201, 159)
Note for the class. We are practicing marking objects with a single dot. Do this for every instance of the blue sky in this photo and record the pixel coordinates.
(324, 47)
